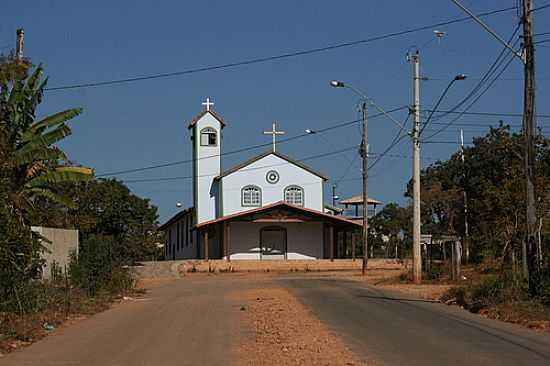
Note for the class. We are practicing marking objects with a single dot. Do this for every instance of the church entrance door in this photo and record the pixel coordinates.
(273, 242)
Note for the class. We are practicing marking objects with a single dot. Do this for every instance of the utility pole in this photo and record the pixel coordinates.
(417, 256)
(19, 44)
(466, 228)
(334, 195)
(529, 246)
(365, 156)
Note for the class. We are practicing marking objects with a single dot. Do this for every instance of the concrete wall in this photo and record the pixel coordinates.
(304, 240)
(63, 241)
(208, 165)
(255, 174)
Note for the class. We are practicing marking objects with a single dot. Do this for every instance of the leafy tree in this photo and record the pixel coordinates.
(492, 176)
(108, 208)
(392, 222)
(31, 167)
(35, 166)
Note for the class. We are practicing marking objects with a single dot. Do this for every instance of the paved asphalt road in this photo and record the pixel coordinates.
(390, 329)
(183, 322)
(197, 321)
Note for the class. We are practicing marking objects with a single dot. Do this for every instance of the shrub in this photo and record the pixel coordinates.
(488, 292)
(542, 286)
(457, 295)
(95, 269)
(435, 272)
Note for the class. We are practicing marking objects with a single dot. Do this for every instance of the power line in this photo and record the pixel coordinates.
(316, 156)
(274, 57)
(540, 7)
(253, 147)
(475, 100)
(485, 78)
(394, 142)
(167, 179)
(494, 114)
(543, 41)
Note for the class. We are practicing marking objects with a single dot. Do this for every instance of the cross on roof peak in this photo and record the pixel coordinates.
(274, 133)
(207, 103)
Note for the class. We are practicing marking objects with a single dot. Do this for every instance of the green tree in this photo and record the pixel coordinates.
(107, 208)
(35, 166)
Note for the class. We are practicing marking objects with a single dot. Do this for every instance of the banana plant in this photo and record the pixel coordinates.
(35, 165)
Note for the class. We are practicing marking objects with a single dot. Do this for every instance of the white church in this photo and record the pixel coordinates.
(268, 207)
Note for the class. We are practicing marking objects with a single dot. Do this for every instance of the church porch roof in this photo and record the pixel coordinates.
(281, 212)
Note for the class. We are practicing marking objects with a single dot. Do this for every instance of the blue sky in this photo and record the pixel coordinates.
(145, 123)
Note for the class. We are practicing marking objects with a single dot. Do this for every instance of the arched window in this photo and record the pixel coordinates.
(294, 195)
(208, 137)
(251, 196)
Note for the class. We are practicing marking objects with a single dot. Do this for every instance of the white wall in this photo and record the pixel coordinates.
(208, 167)
(186, 248)
(304, 240)
(255, 173)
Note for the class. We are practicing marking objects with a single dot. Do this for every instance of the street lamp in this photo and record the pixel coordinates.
(458, 77)
(364, 155)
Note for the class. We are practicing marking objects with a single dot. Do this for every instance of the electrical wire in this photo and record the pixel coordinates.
(274, 57)
(540, 7)
(493, 114)
(398, 137)
(248, 148)
(316, 156)
(484, 79)
(475, 100)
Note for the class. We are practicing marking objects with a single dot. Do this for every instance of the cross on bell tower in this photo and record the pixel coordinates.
(207, 104)
(274, 133)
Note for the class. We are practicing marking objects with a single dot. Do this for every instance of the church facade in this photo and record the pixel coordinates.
(268, 207)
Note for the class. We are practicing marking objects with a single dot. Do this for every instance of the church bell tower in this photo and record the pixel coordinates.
(206, 136)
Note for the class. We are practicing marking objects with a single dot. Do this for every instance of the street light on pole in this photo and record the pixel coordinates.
(457, 77)
(364, 154)
(414, 58)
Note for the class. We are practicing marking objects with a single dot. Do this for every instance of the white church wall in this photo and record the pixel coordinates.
(180, 241)
(255, 174)
(304, 240)
(208, 167)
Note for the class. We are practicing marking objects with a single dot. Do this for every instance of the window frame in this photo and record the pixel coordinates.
(298, 188)
(208, 131)
(255, 187)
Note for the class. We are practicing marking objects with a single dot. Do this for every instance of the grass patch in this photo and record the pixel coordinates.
(503, 299)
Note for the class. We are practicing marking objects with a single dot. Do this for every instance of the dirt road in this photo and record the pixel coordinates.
(181, 322)
(202, 320)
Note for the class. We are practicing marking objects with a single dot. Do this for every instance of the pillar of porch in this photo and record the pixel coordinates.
(227, 240)
(205, 235)
(331, 241)
(353, 241)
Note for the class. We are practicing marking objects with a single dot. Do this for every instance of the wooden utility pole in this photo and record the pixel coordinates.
(417, 255)
(529, 245)
(365, 156)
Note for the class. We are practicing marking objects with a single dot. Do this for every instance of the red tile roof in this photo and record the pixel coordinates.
(280, 204)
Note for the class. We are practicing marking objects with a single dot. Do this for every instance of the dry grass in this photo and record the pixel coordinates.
(527, 313)
(18, 330)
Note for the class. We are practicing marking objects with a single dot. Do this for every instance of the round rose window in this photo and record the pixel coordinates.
(272, 177)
